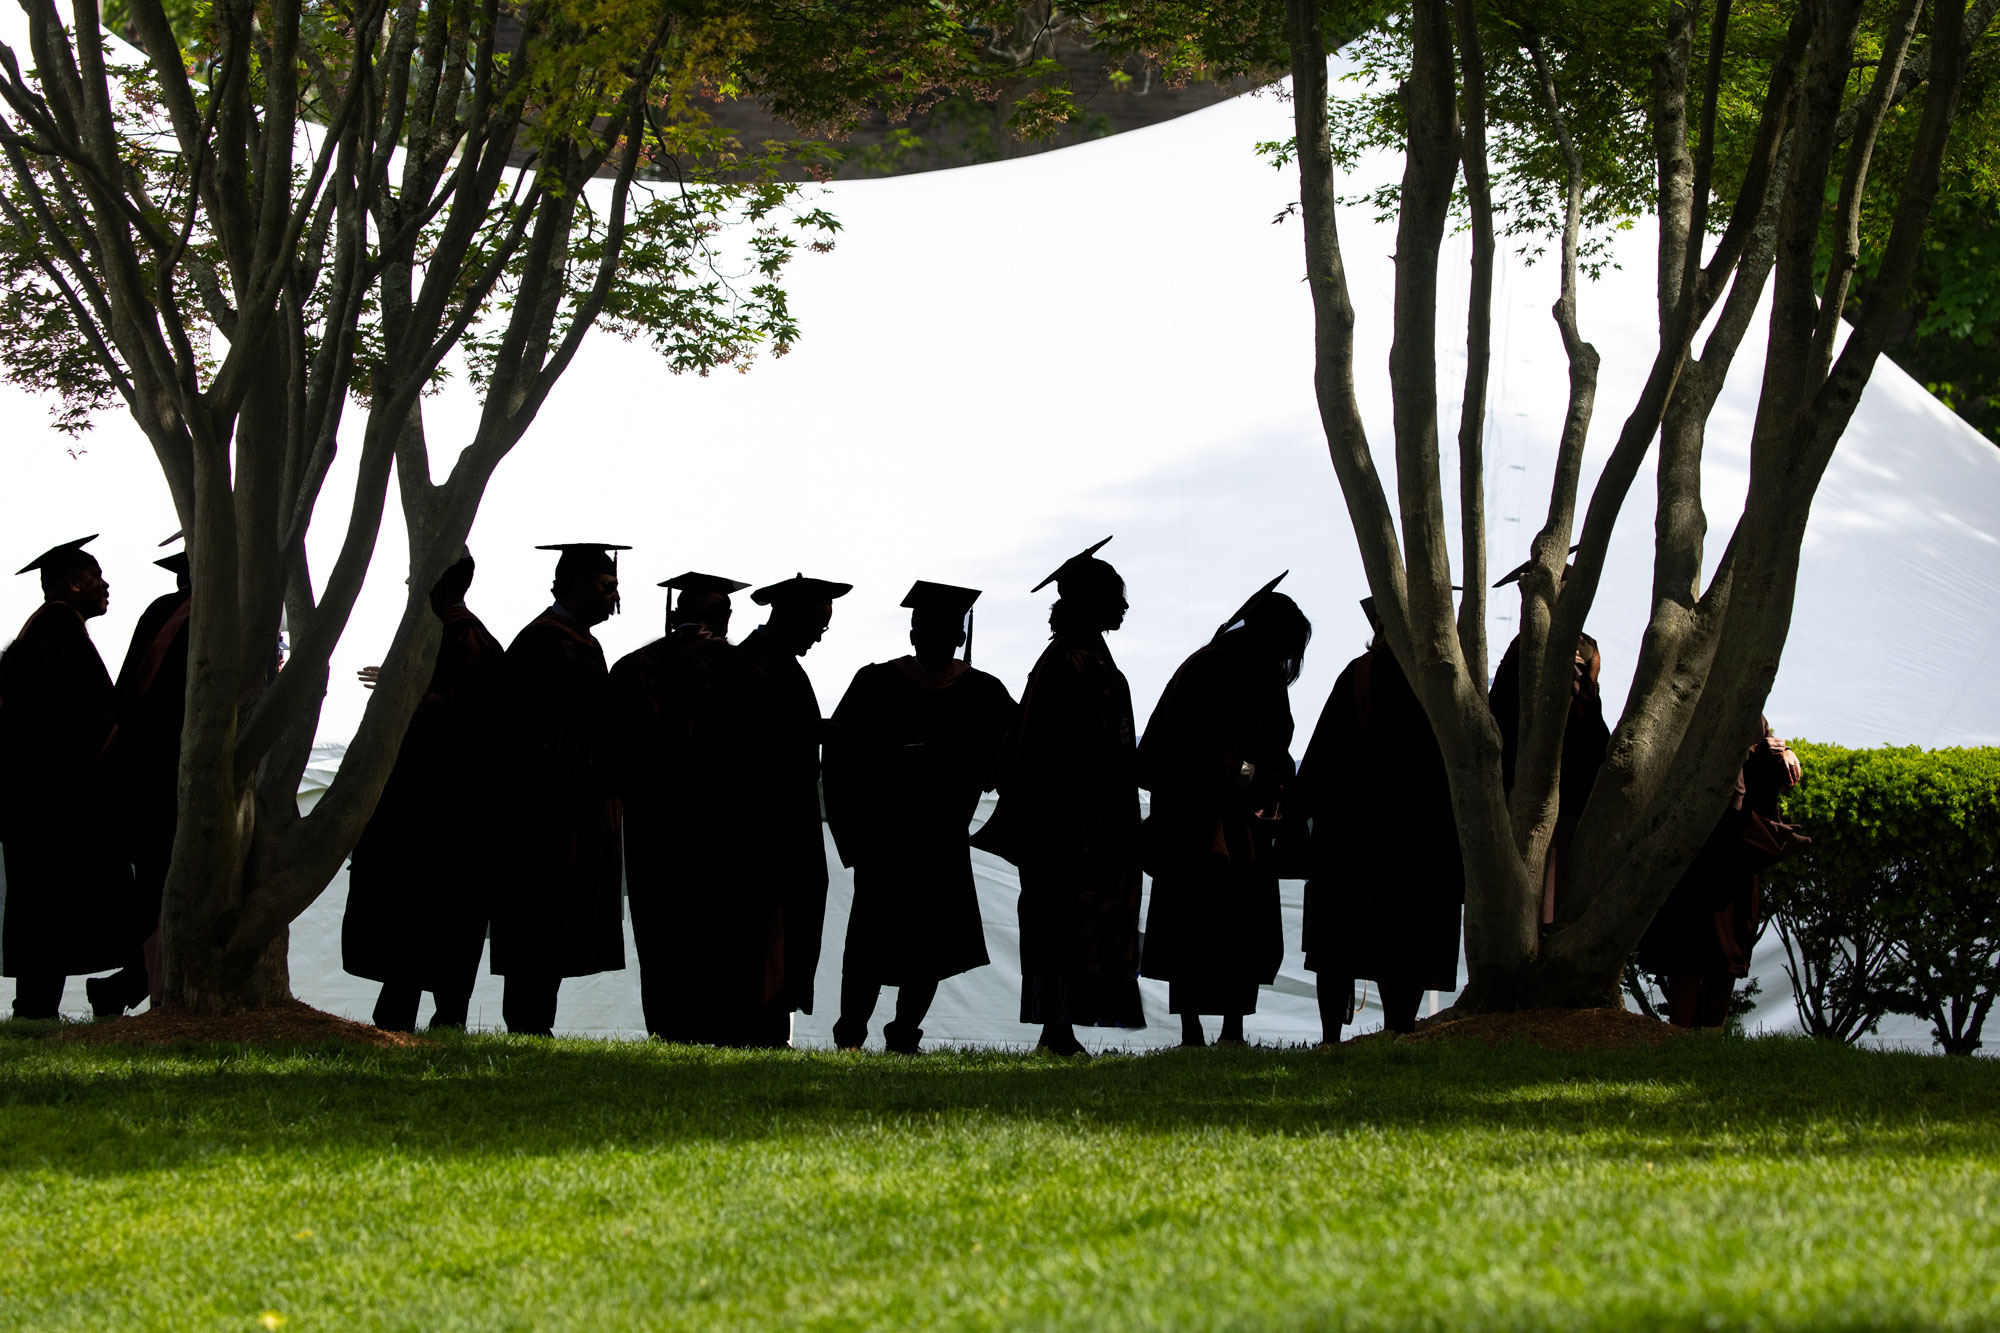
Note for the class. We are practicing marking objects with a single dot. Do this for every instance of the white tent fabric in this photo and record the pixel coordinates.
(1002, 364)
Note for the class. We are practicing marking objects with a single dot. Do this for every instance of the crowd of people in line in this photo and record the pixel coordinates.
(690, 778)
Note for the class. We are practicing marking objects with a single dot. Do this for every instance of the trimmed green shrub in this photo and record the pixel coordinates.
(1896, 905)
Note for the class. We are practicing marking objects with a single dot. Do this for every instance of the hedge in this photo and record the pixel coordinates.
(1895, 908)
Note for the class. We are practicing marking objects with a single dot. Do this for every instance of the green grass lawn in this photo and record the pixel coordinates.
(492, 1182)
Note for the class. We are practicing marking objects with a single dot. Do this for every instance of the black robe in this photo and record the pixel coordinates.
(70, 904)
(1214, 930)
(1068, 817)
(1385, 883)
(1585, 739)
(711, 940)
(421, 876)
(789, 859)
(910, 753)
(142, 757)
(1709, 924)
(558, 909)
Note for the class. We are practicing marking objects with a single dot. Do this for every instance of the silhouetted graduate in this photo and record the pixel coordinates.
(559, 910)
(1217, 758)
(1385, 881)
(70, 904)
(787, 859)
(711, 954)
(1700, 942)
(420, 883)
(1585, 739)
(142, 761)
(915, 741)
(1068, 817)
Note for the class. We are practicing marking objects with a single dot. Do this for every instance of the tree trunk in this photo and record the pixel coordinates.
(1711, 655)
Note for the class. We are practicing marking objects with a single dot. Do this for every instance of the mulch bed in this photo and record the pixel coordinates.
(288, 1024)
(1574, 1030)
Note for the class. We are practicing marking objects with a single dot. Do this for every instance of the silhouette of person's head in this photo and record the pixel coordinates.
(710, 610)
(938, 622)
(936, 638)
(586, 581)
(177, 565)
(801, 609)
(453, 584)
(1589, 663)
(1090, 598)
(1271, 630)
(703, 606)
(72, 576)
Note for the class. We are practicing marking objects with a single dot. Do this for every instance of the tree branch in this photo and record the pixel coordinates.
(1478, 348)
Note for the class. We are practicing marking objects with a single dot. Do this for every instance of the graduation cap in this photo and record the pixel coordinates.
(945, 599)
(799, 588)
(580, 559)
(1521, 569)
(701, 584)
(57, 557)
(1243, 611)
(1069, 565)
(177, 563)
(577, 556)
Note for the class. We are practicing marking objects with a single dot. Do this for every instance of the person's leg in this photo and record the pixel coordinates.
(38, 996)
(1399, 1004)
(1232, 1031)
(858, 998)
(1683, 999)
(1716, 991)
(913, 1001)
(1336, 1006)
(1191, 1032)
(1059, 1039)
(454, 1007)
(659, 999)
(528, 1004)
(396, 1006)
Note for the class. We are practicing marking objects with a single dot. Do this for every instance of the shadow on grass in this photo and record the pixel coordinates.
(96, 1110)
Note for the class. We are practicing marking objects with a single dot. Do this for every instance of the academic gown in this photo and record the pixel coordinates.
(1068, 817)
(142, 756)
(711, 940)
(1213, 929)
(1585, 739)
(421, 877)
(1385, 883)
(910, 752)
(789, 859)
(558, 908)
(1709, 924)
(70, 903)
